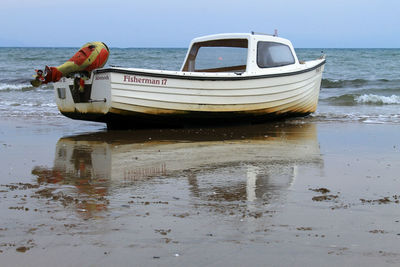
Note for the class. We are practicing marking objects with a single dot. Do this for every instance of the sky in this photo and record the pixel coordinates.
(173, 23)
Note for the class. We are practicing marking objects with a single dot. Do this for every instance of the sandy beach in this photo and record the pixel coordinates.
(296, 193)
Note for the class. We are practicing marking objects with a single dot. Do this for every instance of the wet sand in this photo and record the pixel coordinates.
(279, 194)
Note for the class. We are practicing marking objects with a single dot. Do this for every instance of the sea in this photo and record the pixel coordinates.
(359, 85)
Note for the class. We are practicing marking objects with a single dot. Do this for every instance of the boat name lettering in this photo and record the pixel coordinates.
(134, 79)
(102, 77)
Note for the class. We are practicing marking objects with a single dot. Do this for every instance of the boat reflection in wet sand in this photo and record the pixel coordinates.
(247, 163)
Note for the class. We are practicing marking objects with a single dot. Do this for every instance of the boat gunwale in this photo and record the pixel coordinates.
(208, 78)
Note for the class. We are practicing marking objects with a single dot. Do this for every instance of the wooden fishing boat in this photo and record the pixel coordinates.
(225, 78)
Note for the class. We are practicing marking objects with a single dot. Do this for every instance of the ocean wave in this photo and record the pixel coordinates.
(378, 91)
(7, 87)
(351, 117)
(27, 104)
(15, 87)
(15, 80)
(355, 83)
(364, 99)
(378, 99)
(343, 100)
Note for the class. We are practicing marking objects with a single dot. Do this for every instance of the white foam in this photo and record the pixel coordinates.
(381, 119)
(378, 99)
(13, 87)
(48, 105)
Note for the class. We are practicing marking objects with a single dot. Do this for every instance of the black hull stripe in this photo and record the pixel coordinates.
(198, 78)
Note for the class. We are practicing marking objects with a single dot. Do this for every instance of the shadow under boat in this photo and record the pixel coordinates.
(220, 164)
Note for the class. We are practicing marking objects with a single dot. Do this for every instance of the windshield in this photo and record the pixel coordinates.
(228, 55)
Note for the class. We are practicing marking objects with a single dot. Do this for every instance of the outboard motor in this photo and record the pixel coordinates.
(91, 56)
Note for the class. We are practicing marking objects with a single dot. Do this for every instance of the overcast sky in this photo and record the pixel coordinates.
(173, 23)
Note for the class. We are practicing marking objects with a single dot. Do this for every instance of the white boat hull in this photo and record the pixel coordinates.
(134, 97)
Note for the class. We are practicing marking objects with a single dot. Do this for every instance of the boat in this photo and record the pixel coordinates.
(224, 79)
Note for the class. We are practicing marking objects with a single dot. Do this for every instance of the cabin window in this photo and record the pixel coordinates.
(228, 55)
(271, 54)
(220, 58)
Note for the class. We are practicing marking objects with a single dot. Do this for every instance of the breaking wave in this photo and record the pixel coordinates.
(365, 99)
(27, 104)
(15, 87)
(378, 99)
(7, 87)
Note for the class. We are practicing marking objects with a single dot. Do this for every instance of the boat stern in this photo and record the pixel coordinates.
(84, 99)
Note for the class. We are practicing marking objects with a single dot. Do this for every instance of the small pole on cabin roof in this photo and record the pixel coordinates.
(276, 33)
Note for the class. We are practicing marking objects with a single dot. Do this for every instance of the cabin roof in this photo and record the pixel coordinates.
(254, 36)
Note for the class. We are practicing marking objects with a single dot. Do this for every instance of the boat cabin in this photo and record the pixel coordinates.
(238, 53)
